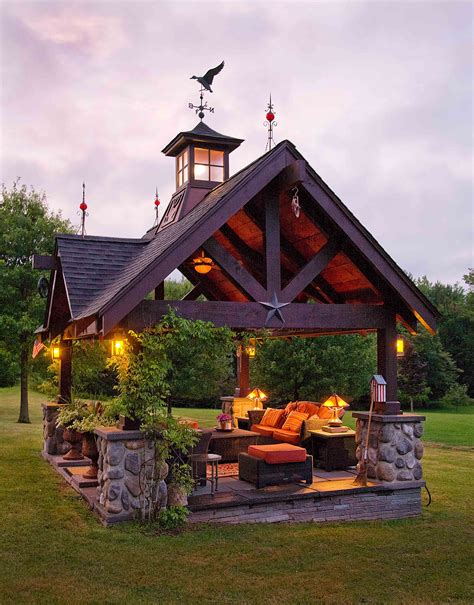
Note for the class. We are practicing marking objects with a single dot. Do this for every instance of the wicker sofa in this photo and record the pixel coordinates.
(317, 418)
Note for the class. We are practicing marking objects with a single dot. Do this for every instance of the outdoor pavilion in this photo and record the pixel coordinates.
(283, 254)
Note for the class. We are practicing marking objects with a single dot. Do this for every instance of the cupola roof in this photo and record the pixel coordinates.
(201, 133)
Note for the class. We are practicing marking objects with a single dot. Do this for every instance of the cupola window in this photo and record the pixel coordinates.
(183, 171)
(208, 165)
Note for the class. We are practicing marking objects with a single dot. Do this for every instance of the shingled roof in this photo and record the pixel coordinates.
(96, 269)
(100, 272)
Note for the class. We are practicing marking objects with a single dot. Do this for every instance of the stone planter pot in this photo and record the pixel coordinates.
(89, 449)
(177, 495)
(74, 438)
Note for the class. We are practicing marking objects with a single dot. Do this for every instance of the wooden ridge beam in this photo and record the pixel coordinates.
(311, 270)
(234, 269)
(253, 315)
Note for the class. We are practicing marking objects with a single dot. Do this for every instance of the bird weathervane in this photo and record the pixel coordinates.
(205, 81)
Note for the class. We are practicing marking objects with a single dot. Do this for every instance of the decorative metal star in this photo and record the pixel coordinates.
(274, 308)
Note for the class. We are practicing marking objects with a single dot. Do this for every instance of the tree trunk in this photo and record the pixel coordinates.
(411, 405)
(24, 414)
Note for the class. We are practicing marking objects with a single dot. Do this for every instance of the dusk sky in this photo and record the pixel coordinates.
(377, 96)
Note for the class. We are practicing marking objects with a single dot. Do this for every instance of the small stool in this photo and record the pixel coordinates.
(274, 464)
(205, 459)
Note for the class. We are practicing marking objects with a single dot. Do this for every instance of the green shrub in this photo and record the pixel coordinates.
(457, 396)
(173, 517)
(9, 368)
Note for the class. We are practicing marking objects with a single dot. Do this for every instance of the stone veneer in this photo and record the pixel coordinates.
(401, 501)
(124, 458)
(395, 447)
(53, 441)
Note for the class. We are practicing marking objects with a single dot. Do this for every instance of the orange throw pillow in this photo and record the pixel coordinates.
(271, 417)
(324, 413)
(294, 421)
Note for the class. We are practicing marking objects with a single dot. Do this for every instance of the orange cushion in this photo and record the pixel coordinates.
(271, 417)
(308, 407)
(294, 421)
(278, 453)
(286, 436)
(263, 430)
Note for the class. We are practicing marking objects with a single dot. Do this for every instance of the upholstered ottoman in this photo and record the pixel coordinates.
(274, 464)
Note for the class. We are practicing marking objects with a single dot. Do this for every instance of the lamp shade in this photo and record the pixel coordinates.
(257, 394)
(202, 264)
(334, 401)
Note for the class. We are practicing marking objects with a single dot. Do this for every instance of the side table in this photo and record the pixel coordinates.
(333, 451)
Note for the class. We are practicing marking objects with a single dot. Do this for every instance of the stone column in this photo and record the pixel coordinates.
(124, 459)
(395, 447)
(53, 443)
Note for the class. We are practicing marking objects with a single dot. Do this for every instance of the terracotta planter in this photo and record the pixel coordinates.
(74, 438)
(89, 449)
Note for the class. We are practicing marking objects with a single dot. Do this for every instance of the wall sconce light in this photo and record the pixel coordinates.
(400, 347)
(55, 352)
(251, 349)
(118, 346)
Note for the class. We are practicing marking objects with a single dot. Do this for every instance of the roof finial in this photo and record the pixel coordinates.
(157, 208)
(83, 213)
(270, 123)
(205, 81)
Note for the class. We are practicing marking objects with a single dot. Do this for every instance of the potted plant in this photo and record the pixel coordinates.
(69, 414)
(180, 484)
(225, 422)
(95, 414)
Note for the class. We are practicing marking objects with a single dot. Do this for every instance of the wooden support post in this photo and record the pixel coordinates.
(387, 366)
(160, 291)
(272, 242)
(65, 372)
(243, 374)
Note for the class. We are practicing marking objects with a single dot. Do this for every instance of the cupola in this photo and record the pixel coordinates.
(202, 163)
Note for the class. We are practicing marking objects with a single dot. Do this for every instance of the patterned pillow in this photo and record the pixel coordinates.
(271, 417)
(294, 421)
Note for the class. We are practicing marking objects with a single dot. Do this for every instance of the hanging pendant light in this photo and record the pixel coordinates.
(203, 264)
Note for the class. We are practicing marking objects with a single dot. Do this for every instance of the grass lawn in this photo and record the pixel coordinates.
(54, 550)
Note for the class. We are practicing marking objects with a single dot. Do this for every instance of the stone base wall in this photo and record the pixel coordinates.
(125, 460)
(391, 504)
(53, 441)
(395, 448)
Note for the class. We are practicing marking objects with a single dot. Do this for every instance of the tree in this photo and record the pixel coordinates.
(412, 376)
(442, 372)
(456, 325)
(26, 227)
(313, 368)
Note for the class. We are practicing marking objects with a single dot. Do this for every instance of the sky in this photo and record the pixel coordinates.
(377, 96)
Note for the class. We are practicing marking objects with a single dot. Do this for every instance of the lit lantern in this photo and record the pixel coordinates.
(202, 264)
(400, 347)
(251, 349)
(118, 346)
(56, 352)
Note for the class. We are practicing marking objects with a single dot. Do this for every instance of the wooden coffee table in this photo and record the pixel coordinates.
(333, 451)
(229, 444)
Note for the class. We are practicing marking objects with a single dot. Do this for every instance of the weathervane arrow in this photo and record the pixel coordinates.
(205, 81)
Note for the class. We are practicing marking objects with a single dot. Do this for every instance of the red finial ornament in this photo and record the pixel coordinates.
(83, 213)
(157, 207)
(270, 123)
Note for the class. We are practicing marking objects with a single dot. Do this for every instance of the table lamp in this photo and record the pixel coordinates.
(258, 396)
(334, 425)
